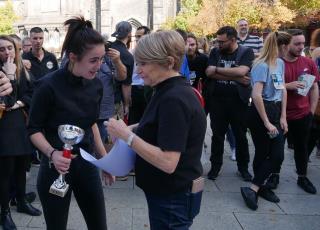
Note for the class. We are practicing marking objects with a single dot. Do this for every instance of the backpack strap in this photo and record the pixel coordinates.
(240, 52)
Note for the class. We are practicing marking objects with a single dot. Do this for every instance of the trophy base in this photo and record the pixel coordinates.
(59, 191)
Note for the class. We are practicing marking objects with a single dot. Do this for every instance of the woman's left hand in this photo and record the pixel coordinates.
(5, 85)
(10, 68)
(118, 129)
(284, 124)
(108, 178)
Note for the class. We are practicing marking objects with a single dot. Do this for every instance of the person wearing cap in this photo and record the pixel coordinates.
(123, 88)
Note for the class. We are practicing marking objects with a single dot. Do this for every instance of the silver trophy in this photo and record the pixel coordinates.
(69, 135)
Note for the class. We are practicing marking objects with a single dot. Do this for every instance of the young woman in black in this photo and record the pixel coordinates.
(71, 95)
(14, 142)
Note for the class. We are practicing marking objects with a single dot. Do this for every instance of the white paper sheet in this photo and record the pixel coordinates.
(118, 162)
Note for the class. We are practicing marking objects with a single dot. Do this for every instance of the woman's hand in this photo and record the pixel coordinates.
(61, 163)
(118, 129)
(284, 124)
(5, 85)
(272, 130)
(108, 178)
(10, 68)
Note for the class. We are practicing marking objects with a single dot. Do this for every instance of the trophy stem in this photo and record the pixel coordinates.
(61, 179)
(67, 148)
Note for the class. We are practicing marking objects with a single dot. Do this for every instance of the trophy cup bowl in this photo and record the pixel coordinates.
(69, 135)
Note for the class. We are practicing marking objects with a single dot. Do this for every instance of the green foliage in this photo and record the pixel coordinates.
(206, 16)
(189, 9)
(302, 7)
(7, 18)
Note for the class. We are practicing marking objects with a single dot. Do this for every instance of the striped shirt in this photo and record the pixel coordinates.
(253, 42)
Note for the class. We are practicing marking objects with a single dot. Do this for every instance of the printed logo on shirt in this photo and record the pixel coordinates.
(192, 76)
(49, 65)
(277, 80)
(227, 64)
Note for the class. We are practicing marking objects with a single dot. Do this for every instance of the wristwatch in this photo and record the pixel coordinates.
(130, 139)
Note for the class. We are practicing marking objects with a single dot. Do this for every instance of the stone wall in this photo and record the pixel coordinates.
(50, 15)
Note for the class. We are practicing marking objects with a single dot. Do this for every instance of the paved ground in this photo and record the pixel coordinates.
(222, 204)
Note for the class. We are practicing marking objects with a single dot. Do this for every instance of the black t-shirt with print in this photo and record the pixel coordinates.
(174, 121)
(228, 88)
(199, 65)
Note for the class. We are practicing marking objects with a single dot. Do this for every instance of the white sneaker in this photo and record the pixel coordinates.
(28, 175)
(233, 155)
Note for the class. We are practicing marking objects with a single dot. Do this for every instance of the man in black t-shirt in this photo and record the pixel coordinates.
(123, 88)
(42, 61)
(228, 68)
(197, 61)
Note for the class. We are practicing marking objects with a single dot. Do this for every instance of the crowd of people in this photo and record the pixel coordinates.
(149, 97)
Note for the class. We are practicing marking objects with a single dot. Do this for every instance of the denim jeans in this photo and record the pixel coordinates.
(173, 212)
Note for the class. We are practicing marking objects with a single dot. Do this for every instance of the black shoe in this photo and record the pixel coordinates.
(306, 185)
(273, 181)
(214, 173)
(246, 176)
(30, 197)
(6, 220)
(268, 195)
(27, 208)
(250, 197)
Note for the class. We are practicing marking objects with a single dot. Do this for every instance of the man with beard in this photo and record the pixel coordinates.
(197, 61)
(42, 61)
(245, 39)
(228, 68)
(300, 109)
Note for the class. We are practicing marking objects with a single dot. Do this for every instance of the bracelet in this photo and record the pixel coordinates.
(130, 139)
(50, 154)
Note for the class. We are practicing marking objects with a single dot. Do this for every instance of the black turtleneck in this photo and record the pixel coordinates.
(62, 98)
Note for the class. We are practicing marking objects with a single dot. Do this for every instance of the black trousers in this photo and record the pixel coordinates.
(84, 181)
(12, 170)
(299, 131)
(269, 153)
(225, 111)
(314, 135)
(138, 104)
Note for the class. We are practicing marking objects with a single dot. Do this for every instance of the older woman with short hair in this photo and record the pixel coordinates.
(168, 140)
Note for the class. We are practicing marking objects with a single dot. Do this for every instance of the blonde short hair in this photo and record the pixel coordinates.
(157, 47)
